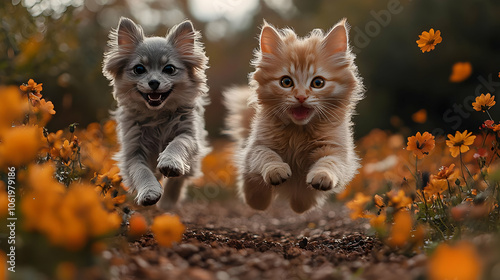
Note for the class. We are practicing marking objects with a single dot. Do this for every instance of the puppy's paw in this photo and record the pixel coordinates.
(322, 180)
(276, 173)
(148, 197)
(172, 168)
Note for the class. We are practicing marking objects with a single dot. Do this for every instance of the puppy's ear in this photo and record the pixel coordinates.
(183, 37)
(337, 39)
(270, 39)
(129, 34)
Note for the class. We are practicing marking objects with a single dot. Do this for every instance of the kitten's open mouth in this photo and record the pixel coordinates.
(300, 113)
(156, 98)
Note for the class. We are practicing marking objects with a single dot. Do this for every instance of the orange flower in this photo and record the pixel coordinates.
(379, 201)
(445, 171)
(378, 222)
(12, 107)
(167, 229)
(20, 145)
(460, 72)
(436, 186)
(420, 116)
(429, 40)
(401, 230)
(484, 102)
(66, 150)
(31, 86)
(421, 144)
(459, 262)
(33, 89)
(357, 205)
(460, 142)
(138, 225)
(398, 199)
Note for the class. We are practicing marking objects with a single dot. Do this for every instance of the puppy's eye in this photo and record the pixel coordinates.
(169, 69)
(286, 82)
(139, 69)
(318, 82)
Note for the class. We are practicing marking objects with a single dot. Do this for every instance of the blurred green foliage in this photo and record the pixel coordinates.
(61, 46)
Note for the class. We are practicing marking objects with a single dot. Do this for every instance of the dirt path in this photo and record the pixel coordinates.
(227, 240)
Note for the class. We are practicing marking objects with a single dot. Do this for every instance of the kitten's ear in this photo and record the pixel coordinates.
(183, 37)
(336, 40)
(270, 40)
(129, 34)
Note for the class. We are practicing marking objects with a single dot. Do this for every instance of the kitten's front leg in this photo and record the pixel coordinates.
(262, 167)
(266, 162)
(327, 171)
(176, 159)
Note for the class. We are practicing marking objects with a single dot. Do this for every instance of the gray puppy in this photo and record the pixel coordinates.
(160, 86)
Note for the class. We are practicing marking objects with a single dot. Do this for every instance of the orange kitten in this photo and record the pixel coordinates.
(293, 125)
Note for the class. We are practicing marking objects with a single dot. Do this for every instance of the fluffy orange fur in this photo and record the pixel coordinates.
(293, 124)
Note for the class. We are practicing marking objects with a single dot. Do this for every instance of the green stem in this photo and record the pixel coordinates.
(462, 169)
(488, 112)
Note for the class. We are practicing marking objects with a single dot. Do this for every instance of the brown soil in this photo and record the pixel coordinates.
(227, 240)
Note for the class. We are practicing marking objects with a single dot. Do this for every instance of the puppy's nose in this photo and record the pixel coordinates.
(154, 84)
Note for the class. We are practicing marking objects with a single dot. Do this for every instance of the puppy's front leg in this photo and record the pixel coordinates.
(176, 159)
(144, 181)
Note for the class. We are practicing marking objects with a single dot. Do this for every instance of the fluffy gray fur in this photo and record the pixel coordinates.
(160, 86)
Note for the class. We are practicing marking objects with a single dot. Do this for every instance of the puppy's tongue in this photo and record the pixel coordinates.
(300, 113)
(154, 96)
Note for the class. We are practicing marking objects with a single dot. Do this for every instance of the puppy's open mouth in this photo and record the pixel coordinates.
(156, 98)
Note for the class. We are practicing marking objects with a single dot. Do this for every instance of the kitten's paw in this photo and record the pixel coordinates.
(276, 173)
(172, 168)
(321, 180)
(148, 197)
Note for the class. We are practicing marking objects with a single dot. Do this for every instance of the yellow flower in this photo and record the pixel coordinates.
(460, 72)
(484, 102)
(421, 144)
(429, 40)
(167, 229)
(460, 143)
(459, 262)
(20, 145)
(401, 230)
(357, 205)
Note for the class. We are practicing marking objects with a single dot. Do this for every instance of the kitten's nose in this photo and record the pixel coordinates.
(154, 84)
(301, 98)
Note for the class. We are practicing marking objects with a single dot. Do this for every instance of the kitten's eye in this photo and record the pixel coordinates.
(169, 69)
(318, 82)
(139, 69)
(286, 82)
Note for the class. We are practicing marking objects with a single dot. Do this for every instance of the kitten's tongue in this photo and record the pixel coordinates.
(300, 113)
